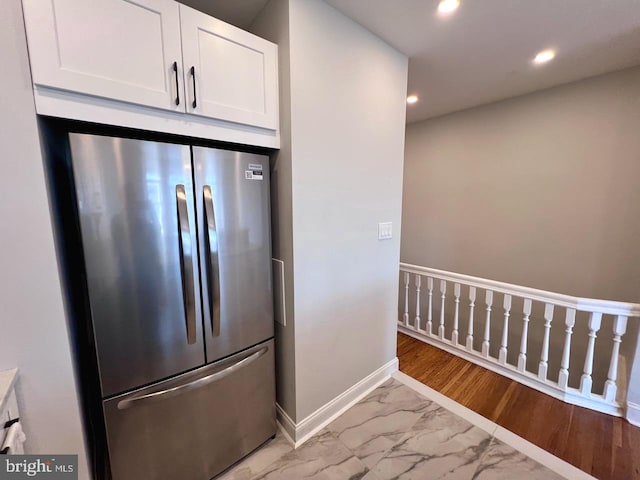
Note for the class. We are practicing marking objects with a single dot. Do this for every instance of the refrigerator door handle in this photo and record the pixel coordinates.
(193, 385)
(213, 266)
(186, 263)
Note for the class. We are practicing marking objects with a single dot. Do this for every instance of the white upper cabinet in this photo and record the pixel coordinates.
(230, 74)
(118, 49)
(92, 59)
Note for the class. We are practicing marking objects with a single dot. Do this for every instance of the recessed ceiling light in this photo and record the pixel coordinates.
(544, 56)
(411, 99)
(447, 6)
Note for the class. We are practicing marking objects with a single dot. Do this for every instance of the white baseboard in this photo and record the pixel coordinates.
(284, 430)
(298, 433)
(633, 414)
(286, 425)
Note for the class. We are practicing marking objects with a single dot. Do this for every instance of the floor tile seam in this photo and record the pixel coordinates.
(348, 449)
(484, 454)
(450, 405)
(276, 460)
(402, 438)
(501, 434)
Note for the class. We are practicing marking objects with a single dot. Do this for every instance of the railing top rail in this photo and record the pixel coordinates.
(583, 304)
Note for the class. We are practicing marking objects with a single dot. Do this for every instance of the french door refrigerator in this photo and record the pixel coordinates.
(177, 253)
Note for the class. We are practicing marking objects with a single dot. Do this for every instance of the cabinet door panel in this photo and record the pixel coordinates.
(119, 49)
(236, 77)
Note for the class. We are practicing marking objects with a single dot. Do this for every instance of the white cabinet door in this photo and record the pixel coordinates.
(230, 74)
(119, 49)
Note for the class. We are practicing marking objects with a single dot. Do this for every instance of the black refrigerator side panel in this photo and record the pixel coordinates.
(72, 275)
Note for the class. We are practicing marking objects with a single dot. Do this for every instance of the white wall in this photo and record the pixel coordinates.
(348, 92)
(338, 174)
(273, 24)
(633, 396)
(539, 190)
(33, 331)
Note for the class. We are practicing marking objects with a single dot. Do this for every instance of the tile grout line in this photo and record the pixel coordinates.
(483, 455)
(496, 431)
(408, 435)
(370, 468)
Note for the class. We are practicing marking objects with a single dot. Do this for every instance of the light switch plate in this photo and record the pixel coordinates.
(385, 231)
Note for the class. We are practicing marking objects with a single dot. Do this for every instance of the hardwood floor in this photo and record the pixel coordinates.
(604, 446)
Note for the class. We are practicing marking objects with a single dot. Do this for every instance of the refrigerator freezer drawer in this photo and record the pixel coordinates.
(194, 425)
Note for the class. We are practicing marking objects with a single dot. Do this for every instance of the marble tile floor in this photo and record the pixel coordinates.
(393, 433)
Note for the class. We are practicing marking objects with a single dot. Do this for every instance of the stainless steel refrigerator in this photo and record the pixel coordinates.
(177, 255)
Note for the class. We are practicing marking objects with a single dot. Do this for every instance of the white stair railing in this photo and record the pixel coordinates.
(498, 300)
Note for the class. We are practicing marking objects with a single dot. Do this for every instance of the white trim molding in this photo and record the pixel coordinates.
(87, 108)
(633, 413)
(608, 307)
(456, 331)
(286, 425)
(298, 433)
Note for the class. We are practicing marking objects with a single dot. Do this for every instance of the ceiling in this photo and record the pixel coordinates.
(236, 12)
(482, 52)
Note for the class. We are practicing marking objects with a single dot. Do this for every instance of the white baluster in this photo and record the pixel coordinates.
(502, 355)
(522, 358)
(563, 376)
(405, 317)
(586, 382)
(456, 294)
(443, 290)
(487, 325)
(418, 282)
(472, 304)
(430, 310)
(544, 356)
(610, 386)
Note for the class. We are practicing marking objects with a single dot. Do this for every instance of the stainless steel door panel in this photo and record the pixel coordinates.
(197, 424)
(232, 204)
(135, 201)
